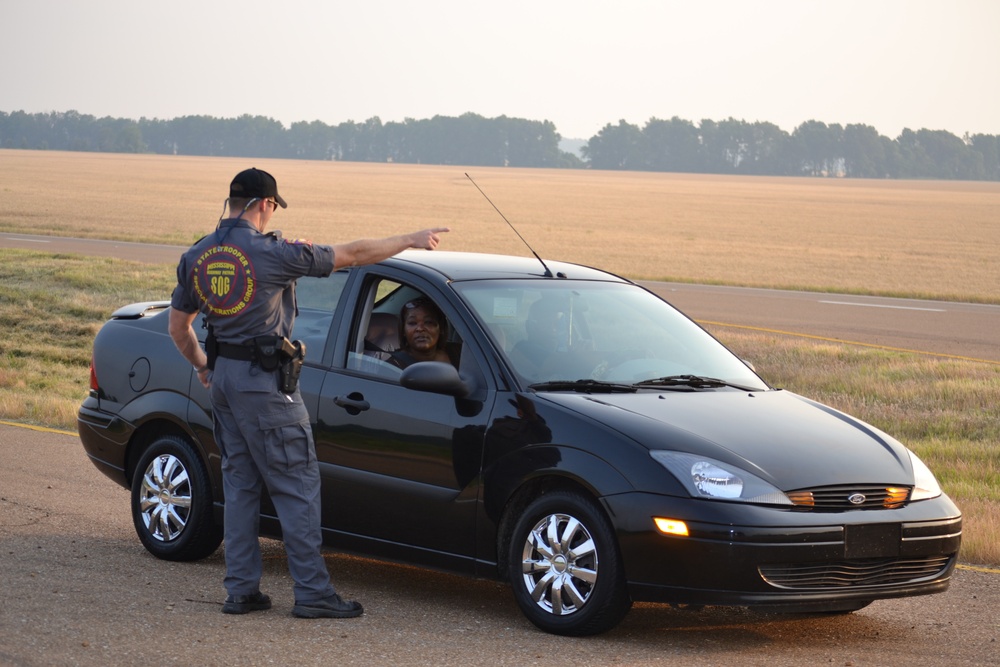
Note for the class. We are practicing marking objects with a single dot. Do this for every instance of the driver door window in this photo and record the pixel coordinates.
(384, 344)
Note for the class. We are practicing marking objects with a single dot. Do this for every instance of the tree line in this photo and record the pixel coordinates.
(676, 145)
(812, 149)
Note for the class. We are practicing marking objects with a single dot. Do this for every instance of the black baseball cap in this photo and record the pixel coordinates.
(255, 182)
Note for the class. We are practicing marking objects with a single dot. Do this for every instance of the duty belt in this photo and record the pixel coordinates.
(238, 352)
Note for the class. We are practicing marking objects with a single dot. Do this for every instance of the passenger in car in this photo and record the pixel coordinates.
(542, 329)
(383, 336)
(423, 332)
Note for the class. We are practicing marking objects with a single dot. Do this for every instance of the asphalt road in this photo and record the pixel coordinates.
(939, 328)
(970, 331)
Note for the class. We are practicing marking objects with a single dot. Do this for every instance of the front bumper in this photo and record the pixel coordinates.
(759, 556)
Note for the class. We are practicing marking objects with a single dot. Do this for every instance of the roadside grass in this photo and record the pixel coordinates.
(52, 306)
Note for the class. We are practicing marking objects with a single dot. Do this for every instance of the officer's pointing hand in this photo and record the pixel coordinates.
(428, 239)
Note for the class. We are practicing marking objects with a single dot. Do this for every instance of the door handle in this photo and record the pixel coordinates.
(354, 403)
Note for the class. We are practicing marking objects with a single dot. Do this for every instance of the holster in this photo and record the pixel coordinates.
(277, 353)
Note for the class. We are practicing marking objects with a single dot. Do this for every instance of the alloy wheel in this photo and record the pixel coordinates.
(165, 497)
(559, 564)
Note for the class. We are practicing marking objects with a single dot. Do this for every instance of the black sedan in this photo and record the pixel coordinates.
(585, 442)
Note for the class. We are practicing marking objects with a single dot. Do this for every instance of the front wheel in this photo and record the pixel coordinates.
(565, 568)
(172, 502)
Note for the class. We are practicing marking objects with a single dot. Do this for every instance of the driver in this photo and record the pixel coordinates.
(423, 330)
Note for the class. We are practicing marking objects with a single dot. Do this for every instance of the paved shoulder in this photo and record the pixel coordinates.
(151, 253)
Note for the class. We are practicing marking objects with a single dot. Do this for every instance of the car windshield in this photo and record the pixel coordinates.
(556, 332)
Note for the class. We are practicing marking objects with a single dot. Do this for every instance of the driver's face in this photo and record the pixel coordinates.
(421, 329)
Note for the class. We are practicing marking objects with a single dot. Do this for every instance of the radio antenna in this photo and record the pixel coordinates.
(548, 274)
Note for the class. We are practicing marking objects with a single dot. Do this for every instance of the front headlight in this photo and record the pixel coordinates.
(707, 478)
(925, 486)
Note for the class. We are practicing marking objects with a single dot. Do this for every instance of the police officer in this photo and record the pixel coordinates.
(243, 280)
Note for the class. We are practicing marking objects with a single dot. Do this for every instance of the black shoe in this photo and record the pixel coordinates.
(331, 607)
(243, 604)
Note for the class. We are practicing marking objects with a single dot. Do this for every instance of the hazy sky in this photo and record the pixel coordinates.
(580, 64)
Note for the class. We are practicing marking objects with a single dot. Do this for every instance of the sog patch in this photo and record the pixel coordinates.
(224, 280)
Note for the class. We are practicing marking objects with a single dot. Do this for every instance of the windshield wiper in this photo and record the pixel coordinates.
(693, 381)
(585, 386)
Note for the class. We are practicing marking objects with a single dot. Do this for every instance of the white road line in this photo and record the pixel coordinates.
(879, 305)
(15, 238)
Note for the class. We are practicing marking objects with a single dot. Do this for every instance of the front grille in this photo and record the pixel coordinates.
(854, 573)
(848, 497)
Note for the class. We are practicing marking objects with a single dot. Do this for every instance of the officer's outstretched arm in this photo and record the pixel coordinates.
(370, 251)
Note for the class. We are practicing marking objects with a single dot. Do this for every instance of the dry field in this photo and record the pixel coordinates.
(935, 239)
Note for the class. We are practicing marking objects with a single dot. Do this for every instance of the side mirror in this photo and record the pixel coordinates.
(434, 376)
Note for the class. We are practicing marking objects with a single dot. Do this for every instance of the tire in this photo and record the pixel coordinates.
(565, 568)
(172, 502)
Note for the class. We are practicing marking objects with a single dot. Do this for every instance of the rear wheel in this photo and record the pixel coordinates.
(565, 568)
(172, 502)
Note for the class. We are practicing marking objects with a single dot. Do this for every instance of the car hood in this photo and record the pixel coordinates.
(788, 440)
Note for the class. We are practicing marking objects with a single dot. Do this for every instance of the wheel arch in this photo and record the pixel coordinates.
(147, 433)
(577, 470)
(155, 413)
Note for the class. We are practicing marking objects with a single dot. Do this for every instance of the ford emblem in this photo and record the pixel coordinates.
(856, 498)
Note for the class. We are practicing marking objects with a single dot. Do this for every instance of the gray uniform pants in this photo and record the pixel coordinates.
(264, 438)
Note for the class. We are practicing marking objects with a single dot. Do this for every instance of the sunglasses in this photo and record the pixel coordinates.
(418, 303)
